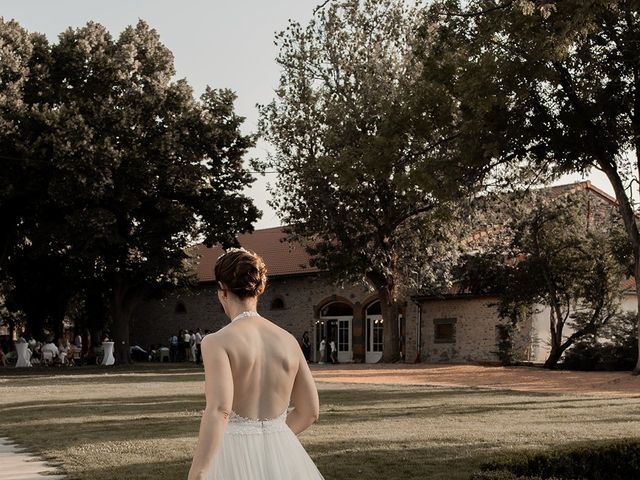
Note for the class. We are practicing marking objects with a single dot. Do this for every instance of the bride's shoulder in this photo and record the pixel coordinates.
(214, 338)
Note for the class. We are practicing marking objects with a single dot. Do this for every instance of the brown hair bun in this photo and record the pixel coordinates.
(243, 272)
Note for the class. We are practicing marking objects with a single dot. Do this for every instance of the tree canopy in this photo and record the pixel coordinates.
(363, 176)
(112, 166)
(550, 86)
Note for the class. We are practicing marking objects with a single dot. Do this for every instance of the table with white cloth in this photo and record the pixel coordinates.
(24, 355)
(107, 357)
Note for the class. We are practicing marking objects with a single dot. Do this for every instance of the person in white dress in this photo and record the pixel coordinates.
(253, 371)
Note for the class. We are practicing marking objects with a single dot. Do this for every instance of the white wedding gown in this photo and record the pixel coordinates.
(261, 450)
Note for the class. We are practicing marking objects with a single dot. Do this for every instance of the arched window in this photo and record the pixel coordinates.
(277, 303)
(375, 308)
(180, 307)
(336, 309)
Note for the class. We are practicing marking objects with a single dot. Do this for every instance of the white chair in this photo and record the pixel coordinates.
(24, 355)
(163, 353)
(47, 357)
(107, 357)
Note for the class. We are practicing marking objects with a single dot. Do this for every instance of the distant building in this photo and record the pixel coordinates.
(455, 327)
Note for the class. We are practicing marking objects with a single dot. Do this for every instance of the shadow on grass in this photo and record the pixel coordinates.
(164, 470)
(134, 368)
(396, 460)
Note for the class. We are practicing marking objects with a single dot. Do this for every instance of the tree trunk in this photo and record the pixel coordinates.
(121, 316)
(391, 338)
(554, 356)
(636, 370)
(555, 353)
(631, 227)
(121, 337)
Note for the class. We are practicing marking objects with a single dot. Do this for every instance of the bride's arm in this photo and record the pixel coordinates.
(218, 387)
(304, 397)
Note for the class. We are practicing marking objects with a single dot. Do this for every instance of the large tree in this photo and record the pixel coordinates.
(135, 169)
(549, 84)
(366, 180)
(562, 252)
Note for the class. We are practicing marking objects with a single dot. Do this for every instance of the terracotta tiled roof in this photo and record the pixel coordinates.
(284, 258)
(551, 192)
(629, 284)
(280, 256)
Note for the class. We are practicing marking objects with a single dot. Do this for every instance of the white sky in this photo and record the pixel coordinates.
(225, 44)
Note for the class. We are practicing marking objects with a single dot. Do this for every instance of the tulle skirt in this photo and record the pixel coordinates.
(262, 450)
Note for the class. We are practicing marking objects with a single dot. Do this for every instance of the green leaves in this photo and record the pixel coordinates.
(114, 167)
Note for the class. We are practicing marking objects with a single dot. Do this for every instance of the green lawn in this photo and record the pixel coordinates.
(141, 423)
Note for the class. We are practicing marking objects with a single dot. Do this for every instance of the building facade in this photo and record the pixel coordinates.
(300, 298)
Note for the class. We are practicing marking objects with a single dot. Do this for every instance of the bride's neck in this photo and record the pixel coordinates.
(247, 305)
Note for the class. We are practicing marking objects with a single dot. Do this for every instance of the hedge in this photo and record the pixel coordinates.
(602, 460)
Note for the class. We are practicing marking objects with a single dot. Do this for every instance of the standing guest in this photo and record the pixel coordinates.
(333, 352)
(192, 347)
(306, 346)
(186, 339)
(321, 348)
(198, 346)
(71, 354)
(85, 350)
(50, 347)
(63, 347)
(37, 352)
(173, 347)
(78, 340)
(3, 357)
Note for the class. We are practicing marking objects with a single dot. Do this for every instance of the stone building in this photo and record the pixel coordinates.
(455, 327)
(298, 298)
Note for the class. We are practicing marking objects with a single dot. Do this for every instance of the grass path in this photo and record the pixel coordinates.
(142, 423)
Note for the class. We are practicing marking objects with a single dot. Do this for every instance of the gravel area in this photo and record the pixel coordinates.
(529, 379)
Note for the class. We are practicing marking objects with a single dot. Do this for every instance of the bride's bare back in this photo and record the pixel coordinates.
(265, 361)
(256, 370)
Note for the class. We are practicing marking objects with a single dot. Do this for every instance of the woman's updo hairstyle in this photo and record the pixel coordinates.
(243, 272)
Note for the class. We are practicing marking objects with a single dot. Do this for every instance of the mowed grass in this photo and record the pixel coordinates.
(141, 422)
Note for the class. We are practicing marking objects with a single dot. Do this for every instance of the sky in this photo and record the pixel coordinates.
(221, 43)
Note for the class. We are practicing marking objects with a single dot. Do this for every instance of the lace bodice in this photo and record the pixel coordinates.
(253, 426)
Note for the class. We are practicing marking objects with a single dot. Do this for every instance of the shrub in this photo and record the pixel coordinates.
(618, 352)
(603, 460)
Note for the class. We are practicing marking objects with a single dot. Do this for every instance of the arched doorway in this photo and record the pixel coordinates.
(336, 320)
(374, 333)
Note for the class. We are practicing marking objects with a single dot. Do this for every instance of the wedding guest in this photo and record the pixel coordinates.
(333, 352)
(322, 348)
(71, 354)
(187, 345)
(37, 352)
(88, 353)
(50, 347)
(193, 354)
(306, 346)
(198, 346)
(173, 347)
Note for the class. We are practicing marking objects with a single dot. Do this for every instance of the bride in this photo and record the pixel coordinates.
(253, 369)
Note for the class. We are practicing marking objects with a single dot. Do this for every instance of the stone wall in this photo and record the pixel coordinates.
(476, 334)
(301, 297)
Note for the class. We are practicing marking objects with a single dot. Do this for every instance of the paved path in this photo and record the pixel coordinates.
(18, 465)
